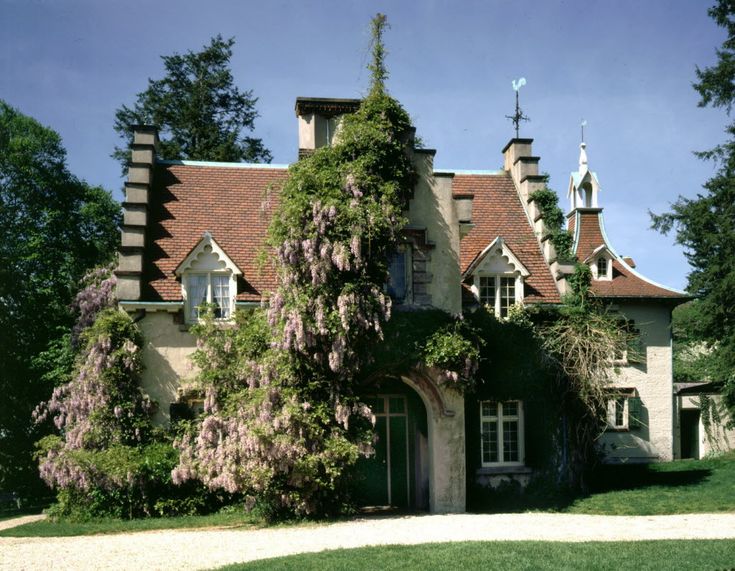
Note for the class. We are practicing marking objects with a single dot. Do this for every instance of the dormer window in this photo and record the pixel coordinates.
(497, 278)
(208, 288)
(208, 277)
(600, 262)
(498, 293)
(602, 269)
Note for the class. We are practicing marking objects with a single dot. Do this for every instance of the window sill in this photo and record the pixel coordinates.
(500, 470)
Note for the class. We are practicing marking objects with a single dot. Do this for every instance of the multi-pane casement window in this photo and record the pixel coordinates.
(209, 288)
(498, 293)
(501, 431)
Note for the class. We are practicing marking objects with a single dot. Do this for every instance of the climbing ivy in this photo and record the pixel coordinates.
(548, 203)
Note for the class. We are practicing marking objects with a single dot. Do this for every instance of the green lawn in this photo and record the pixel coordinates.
(684, 486)
(689, 486)
(48, 528)
(638, 555)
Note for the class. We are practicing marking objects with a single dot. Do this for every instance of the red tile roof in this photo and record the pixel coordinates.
(497, 211)
(625, 281)
(229, 202)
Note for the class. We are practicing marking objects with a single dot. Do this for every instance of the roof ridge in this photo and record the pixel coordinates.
(222, 164)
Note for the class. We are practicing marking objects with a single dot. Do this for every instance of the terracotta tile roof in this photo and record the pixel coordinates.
(497, 211)
(625, 282)
(229, 202)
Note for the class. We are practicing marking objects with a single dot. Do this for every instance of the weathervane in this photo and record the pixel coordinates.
(518, 116)
(584, 123)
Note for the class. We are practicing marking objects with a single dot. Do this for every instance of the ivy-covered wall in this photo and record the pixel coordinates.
(512, 367)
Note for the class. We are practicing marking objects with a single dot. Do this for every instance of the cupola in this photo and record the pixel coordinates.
(584, 187)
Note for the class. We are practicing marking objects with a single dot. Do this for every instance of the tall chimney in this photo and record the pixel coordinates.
(138, 187)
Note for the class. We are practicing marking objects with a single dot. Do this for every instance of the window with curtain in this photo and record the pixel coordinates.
(209, 287)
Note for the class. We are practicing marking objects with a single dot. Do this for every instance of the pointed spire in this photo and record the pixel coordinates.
(583, 168)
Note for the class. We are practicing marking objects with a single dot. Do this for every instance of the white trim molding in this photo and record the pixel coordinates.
(505, 251)
(202, 246)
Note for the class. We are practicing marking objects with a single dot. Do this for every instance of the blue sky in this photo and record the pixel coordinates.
(624, 66)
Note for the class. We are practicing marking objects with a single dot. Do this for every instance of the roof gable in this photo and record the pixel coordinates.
(233, 202)
(497, 247)
(207, 255)
(497, 211)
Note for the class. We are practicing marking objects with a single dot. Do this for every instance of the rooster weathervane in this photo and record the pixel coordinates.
(518, 116)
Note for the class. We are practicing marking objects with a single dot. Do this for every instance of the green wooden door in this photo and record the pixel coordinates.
(385, 475)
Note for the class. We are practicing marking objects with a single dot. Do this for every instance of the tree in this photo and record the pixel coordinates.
(52, 228)
(282, 422)
(201, 114)
(705, 225)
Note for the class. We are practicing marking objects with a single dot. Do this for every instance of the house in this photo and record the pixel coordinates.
(192, 232)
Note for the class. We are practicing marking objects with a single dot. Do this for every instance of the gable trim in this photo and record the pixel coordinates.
(506, 253)
(207, 240)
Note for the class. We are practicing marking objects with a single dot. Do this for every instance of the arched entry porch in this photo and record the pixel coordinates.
(420, 450)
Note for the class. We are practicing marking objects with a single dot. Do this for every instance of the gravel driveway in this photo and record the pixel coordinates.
(204, 549)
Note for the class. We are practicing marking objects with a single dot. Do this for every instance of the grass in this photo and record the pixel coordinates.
(638, 555)
(47, 528)
(684, 486)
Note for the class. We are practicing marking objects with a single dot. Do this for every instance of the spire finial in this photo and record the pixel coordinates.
(583, 125)
(583, 168)
(518, 116)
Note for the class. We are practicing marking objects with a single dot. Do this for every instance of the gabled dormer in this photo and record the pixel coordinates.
(208, 276)
(496, 277)
(600, 262)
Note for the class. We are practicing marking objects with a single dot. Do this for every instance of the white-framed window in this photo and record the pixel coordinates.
(498, 292)
(624, 410)
(214, 288)
(400, 274)
(602, 268)
(501, 433)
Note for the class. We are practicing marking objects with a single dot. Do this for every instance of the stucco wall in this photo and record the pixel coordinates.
(652, 379)
(446, 425)
(432, 207)
(166, 360)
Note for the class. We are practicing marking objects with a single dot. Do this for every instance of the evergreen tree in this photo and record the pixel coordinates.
(200, 112)
(705, 225)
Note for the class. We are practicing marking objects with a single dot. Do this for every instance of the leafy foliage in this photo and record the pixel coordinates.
(282, 422)
(201, 113)
(455, 349)
(548, 203)
(52, 228)
(101, 408)
(704, 225)
(693, 360)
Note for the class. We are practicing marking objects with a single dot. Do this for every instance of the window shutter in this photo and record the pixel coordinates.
(635, 412)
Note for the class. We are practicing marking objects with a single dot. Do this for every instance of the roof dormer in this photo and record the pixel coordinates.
(584, 187)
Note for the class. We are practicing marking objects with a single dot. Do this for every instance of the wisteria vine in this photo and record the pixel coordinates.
(282, 421)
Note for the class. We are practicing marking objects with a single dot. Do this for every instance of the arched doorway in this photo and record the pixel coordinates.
(397, 475)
